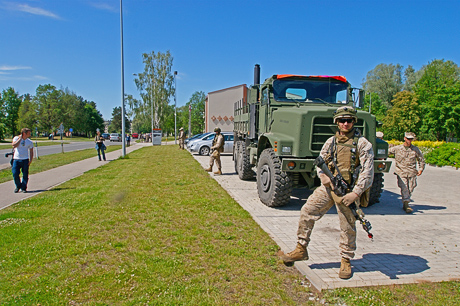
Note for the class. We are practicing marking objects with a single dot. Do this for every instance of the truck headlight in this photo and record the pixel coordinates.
(286, 149)
(291, 165)
(381, 166)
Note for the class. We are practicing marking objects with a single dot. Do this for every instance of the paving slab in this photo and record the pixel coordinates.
(407, 248)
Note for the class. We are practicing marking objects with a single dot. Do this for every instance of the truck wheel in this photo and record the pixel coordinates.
(376, 189)
(244, 167)
(273, 185)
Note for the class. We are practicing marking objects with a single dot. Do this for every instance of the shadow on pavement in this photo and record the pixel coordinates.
(389, 264)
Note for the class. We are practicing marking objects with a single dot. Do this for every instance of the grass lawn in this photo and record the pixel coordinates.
(47, 162)
(155, 229)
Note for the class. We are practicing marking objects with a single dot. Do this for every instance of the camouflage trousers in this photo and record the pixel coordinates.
(407, 186)
(317, 205)
(181, 143)
(215, 156)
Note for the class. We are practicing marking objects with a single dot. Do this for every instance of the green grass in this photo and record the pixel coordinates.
(40, 144)
(47, 162)
(155, 229)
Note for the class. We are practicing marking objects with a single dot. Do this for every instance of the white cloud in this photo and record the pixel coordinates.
(30, 9)
(105, 7)
(9, 68)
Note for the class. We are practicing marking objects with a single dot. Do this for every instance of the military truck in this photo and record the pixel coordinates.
(281, 125)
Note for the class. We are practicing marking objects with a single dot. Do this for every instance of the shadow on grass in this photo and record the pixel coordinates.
(389, 264)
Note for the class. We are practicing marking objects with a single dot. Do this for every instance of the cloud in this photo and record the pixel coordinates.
(9, 68)
(105, 7)
(30, 9)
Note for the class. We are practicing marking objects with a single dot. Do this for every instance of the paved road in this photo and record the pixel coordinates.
(420, 247)
(46, 150)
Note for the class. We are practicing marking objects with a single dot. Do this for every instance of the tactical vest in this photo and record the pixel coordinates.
(343, 153)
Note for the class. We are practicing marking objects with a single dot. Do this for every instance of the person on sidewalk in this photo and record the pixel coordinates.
(23, 155)
(100, 146)
(351, 155)
(406, 158)
(181, 138)
(217, 148)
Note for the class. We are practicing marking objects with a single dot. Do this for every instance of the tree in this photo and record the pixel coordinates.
(403, 116)
(27, 113)
(2, 119)
(115, 125)
(197, 104)
(156, 86)
(438, 91)
(385, 80)
(11, 103)
(377, 107)
(49, 110)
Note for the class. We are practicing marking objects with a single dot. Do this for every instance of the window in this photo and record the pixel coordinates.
(310, 90)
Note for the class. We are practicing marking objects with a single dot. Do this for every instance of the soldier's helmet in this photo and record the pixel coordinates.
(345, 112)
(217, 129)
(181, 129)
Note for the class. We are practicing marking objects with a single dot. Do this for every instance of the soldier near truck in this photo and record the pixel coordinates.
(281, 125)
(349, 155)
(217, 148)
(407, 156)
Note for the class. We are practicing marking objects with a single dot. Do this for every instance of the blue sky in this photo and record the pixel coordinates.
(215, 44)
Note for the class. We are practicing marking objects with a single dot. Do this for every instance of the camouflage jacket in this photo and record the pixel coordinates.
(366, 160)
(406, 160)
(218, 143)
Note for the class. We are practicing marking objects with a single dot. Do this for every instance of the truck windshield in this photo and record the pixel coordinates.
(310, 90)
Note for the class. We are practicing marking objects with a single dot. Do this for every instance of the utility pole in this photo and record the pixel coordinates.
(123, 145)
(175, 109)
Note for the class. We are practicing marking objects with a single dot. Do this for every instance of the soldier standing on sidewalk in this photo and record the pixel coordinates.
(181, 138)
(217, 147)
(347, 153)
(407, 156)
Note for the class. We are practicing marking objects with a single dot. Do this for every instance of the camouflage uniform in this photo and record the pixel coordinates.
(321, 200)
(406, 168)
(218, 147)
(181, 138)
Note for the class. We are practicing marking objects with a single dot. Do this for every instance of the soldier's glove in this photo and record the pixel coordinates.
(349, 198)
(325, 180)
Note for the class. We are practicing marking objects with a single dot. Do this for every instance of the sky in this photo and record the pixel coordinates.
(76, 44)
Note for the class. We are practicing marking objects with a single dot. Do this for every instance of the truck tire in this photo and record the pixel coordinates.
(376, 189)
(273, 185)
(244, 166)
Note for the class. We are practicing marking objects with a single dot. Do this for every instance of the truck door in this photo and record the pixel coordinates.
(263, 111)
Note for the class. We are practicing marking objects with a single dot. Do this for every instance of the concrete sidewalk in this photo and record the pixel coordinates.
(407, 248)
(46, 180)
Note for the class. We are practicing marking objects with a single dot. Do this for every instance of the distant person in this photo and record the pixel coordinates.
(407, 156)
(181, 138)
(128, 140)
(23, 155)
(379, 135)
(217, 148)
(100, 146)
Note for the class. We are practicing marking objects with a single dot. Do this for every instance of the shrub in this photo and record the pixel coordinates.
(447, 154)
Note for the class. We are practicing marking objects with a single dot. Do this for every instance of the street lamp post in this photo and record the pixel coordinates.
(122, 84)
(175, 109)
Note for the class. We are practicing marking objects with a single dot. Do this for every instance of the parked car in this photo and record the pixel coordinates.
(135, 135)
(203, 145)
(115, 137)
(193, 137)
(201, 137)
(105, 135)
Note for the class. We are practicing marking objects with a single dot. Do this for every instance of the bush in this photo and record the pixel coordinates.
(447, 154)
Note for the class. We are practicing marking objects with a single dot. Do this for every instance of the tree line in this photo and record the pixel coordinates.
(46, 111)
(426, 102)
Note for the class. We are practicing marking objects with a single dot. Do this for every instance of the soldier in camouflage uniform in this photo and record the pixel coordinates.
(181, 138)
(217, 148)
(407, 156)
(343, 149)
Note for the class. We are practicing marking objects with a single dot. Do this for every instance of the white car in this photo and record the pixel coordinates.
(115, 137)
(203, 145)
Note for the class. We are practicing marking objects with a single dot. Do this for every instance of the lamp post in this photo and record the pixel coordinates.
(175, 109)
(122, 84)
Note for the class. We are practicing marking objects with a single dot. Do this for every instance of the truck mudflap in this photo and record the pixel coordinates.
(306, 165)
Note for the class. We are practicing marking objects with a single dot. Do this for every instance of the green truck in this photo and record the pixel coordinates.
(281, 125)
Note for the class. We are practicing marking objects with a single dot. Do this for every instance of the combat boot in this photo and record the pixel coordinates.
(406, 207)
(345, 269)
(218, 172)
(300, 253)
(209, 169)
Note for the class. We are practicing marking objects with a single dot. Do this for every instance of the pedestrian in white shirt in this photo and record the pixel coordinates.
(23, 155)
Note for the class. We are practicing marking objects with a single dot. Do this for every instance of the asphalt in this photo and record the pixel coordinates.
(407, 248)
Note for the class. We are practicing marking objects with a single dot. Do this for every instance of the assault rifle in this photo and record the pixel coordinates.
(339, 188)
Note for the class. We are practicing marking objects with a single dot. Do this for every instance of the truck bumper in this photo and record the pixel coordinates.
(306, 165)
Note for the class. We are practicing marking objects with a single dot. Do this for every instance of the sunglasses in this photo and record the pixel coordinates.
(348, 120)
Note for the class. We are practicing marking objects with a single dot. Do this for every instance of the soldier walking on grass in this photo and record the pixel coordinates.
(407, 156)
(351, 155)
(217, 148)
(181, 138)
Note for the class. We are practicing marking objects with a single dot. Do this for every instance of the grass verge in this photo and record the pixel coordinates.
(151, 229)
(51, 161)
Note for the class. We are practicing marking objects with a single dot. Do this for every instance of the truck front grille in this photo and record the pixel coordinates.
(323, 128)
